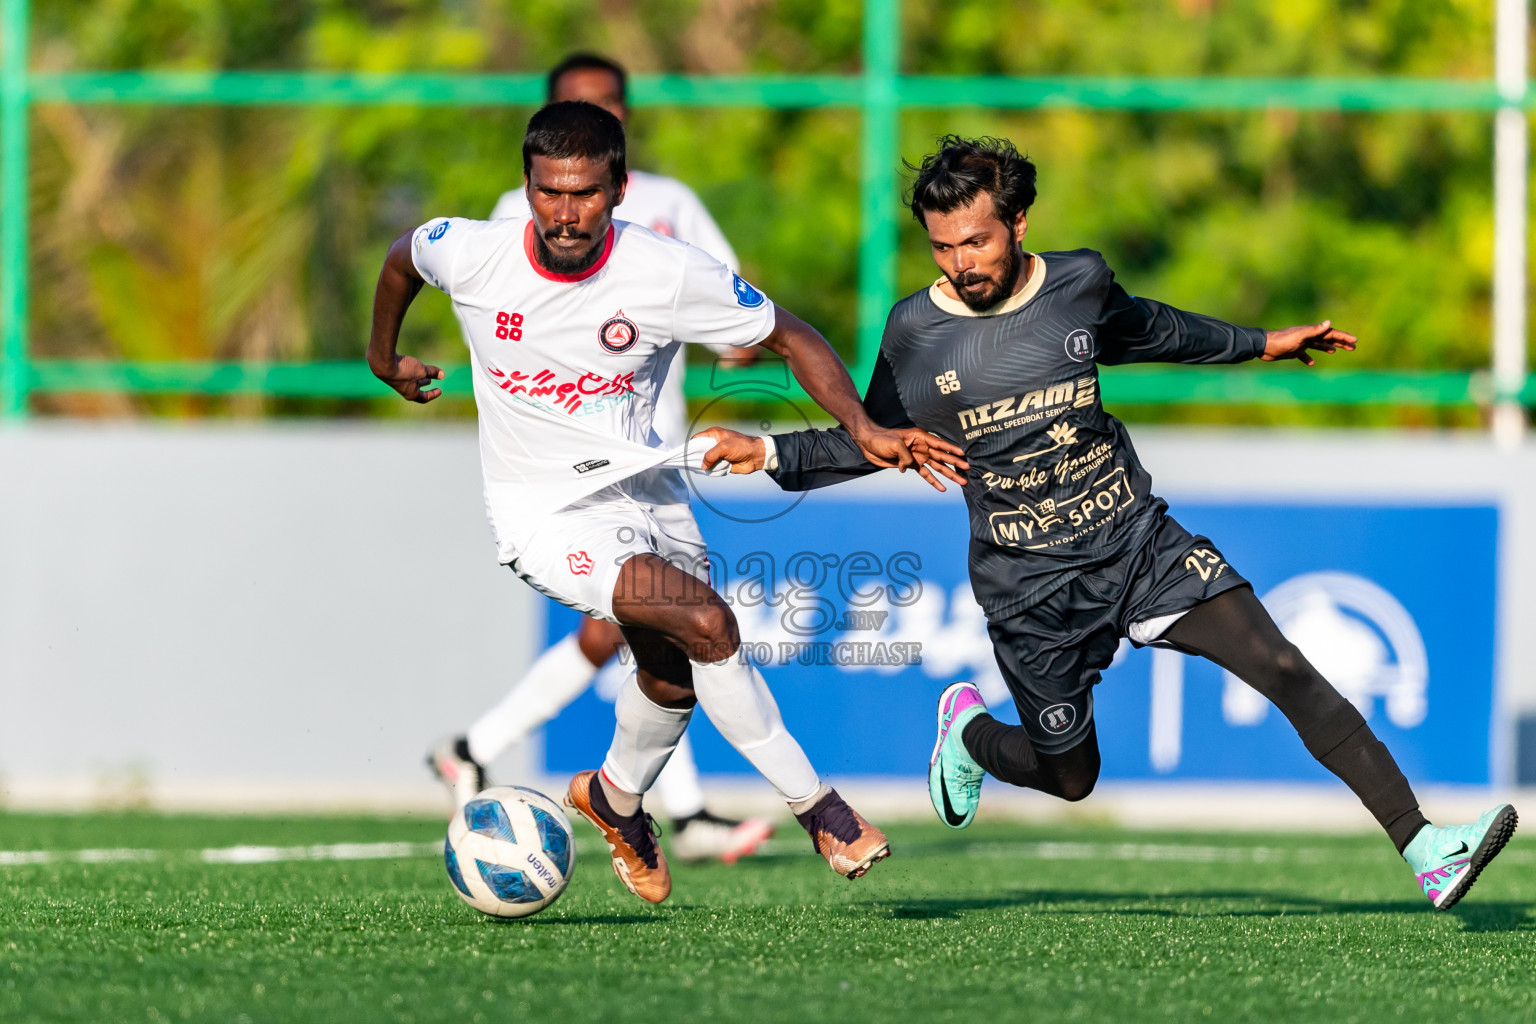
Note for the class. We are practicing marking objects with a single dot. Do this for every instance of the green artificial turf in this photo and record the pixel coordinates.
(983, 926)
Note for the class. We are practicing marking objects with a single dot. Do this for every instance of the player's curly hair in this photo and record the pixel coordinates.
(576, 129)
(964, 168)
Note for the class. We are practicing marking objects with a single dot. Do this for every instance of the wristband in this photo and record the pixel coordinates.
(770, 453)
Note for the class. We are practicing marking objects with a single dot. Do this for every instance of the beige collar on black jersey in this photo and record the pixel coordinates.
(1008, 305)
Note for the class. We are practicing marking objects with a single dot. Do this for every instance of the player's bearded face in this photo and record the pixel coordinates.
(572, 202)
(571, 258)
(980, 290)
(978, 252)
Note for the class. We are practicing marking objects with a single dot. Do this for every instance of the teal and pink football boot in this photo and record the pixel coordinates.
(954, 777)
(1447, 861)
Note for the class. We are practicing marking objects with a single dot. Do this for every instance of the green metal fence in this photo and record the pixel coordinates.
(879, 93)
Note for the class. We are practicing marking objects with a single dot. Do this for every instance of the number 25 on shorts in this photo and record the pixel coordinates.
(1205, 562)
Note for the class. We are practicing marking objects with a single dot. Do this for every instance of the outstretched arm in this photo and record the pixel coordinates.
(1133, 329)
(806, 459)
(824, 377)
(1141, 330)
(1297, 342)
(399, 281)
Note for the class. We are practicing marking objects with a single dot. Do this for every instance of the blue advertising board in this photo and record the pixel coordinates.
(856, 603)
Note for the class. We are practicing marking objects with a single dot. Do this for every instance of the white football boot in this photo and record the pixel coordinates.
(706, 836)
(461, 773)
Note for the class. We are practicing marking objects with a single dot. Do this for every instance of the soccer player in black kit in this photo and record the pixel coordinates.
(1070, 550)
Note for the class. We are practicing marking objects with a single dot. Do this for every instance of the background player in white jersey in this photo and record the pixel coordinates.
(568, 667)
(572, 320)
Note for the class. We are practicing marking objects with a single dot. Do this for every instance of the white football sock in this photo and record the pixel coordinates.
(677, 788)
(644, 738)
(737, 700)
(556, 677)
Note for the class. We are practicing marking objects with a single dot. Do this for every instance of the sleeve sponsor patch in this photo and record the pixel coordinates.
(433, 262)
(746, 295)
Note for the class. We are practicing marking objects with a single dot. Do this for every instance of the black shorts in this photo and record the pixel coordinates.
(1052, 653)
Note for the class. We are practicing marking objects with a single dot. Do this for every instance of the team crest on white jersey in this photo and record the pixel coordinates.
(618, 333)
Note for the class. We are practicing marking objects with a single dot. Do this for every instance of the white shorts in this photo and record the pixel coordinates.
(575, 555)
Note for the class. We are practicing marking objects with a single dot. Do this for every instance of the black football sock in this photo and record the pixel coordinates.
(1344, 744)
(1003, 750)
(1007, 754)
(1233, 630)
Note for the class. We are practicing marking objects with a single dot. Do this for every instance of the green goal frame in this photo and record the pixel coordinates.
(880, 93)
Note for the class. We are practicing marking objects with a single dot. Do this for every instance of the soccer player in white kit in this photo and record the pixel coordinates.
(568, 667)
(572, 320)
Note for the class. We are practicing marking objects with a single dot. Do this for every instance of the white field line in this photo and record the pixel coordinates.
(334, 851)
(16, 857)
(1190, 853)
(226, 854)
(1146, 852)
(1141, 852)
(1152, 852)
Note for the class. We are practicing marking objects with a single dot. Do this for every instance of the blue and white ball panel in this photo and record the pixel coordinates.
(454, 874)
(509, 852)
(555, 837)
(488, 817)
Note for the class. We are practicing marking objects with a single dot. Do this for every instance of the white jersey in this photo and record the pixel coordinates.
(668, 207)
(567, 368)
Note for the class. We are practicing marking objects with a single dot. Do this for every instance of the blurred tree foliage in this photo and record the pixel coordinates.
(183, 233)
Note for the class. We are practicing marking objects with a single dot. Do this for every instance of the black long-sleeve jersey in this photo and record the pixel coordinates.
(1054, 487)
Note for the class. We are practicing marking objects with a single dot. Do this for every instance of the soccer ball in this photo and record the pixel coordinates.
(509, 851)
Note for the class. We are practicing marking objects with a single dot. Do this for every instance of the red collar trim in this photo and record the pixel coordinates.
(550, 275)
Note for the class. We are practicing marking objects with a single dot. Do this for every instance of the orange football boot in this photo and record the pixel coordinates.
(840, 834)
(637, 859)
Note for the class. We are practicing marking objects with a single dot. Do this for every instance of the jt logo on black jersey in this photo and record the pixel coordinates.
(1079, 346)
